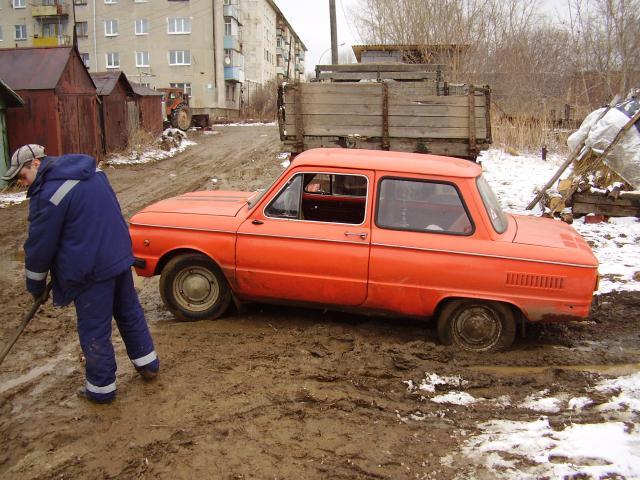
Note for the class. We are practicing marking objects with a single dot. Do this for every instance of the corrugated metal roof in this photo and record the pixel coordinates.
(106, 81)
(144, 91)
(9, 97)
(33, 68)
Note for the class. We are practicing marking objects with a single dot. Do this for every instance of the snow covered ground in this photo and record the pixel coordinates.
(153, 154)
(616, 243)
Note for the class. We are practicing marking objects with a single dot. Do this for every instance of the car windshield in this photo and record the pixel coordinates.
(492, 205)
(258, 194)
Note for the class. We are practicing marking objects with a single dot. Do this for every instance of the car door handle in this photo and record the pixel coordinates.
(362, 235)
(257, 222)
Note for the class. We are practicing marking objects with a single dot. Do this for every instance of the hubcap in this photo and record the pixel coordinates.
(478, 327)
(196, 289)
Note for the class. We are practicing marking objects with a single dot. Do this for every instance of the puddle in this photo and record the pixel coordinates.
(619, 369)
(39, 370)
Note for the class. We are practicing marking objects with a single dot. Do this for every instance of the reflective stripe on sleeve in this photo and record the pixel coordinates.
(146, 360)
(36, 275)
(62, 191)
(106, 389)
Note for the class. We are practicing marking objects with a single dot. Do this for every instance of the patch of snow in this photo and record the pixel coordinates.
(455, 398)
(154, 153)
(286, 159)
(628, 393)
(616, 243)
(7, 199)
(539, 403)
(535, 450)
(210, 132)
(432, 380)
(578, 403)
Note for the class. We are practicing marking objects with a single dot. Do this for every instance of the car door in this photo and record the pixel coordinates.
(308, 240)
(421, 227)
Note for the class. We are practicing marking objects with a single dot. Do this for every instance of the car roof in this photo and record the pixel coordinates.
(401, 162)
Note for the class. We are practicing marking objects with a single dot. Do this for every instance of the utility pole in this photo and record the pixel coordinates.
(334, 32)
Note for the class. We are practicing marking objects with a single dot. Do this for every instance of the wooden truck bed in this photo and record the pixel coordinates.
(413, 116)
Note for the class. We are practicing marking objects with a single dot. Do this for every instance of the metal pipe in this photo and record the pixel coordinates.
(95, 38)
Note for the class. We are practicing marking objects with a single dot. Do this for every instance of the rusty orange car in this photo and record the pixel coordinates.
(407, 234)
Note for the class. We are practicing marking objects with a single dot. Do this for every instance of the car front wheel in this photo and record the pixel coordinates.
(477, 326)
(193, 287)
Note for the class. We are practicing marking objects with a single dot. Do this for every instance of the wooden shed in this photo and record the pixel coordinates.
(150, 107)
(61, 106)
(119, 116)
(8, 98)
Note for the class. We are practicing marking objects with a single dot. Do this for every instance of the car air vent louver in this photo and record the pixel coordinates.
(529, 280)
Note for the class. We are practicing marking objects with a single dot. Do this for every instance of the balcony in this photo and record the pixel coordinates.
(59, 40)
(50, 10)
(283, 51)
(280, 70)
(231, 42)
(300, 68)
(234, 74)
(230, 11)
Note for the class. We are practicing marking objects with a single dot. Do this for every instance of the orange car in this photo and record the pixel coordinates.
(411, 234)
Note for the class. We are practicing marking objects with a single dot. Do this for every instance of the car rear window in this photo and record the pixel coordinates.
(422, 206)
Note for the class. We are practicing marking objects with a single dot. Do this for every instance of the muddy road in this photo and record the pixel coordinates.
(275, 392)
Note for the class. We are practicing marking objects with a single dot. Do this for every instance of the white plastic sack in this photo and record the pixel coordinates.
(624, 158)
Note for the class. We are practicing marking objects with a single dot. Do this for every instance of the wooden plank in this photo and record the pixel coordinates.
(579, 208)
(623, 201)
(374, 131)
(348, 121)
(394, 100)
(381, 67)
(376, 109)
(436, 147)
(357, 76)
(471, 121)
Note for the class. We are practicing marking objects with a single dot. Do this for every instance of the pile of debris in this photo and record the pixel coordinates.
(605, 179)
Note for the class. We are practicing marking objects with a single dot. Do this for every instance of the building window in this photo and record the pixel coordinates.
(82, 29)
(142, 59)
(19, 4)
(179, 25)
(1, 36)
(113, 60)
(79, 2)
(227, 28)
(140, 1)
(20, 32)
(110, 2)
(179, 57)
(85, 59)
(142, 26)
(230, 92)
(110, 28)
(186, 87)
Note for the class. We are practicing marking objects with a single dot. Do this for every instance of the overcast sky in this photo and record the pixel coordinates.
(310, 20)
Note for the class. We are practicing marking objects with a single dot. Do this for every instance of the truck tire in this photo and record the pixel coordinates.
(181, 117)
(193, 287)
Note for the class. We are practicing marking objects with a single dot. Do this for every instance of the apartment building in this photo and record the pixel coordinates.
(215, 50)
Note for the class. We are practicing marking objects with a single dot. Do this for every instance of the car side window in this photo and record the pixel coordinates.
(322, 197)
(417, 205)
(287, 203)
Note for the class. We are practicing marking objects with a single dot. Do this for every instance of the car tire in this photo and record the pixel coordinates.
(477, 325)
(193, 288)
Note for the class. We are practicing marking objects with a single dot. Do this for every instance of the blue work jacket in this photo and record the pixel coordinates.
(76, 228)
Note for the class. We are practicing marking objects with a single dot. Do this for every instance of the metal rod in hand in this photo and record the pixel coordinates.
(37, 303)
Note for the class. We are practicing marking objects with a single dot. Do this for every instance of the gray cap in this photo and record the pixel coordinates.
(24, 154)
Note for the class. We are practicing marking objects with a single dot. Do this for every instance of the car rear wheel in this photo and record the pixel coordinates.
(193, 287)
(477, 326)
